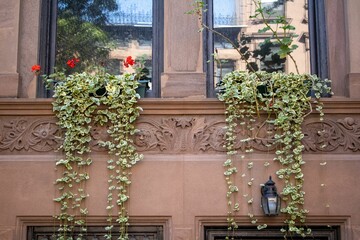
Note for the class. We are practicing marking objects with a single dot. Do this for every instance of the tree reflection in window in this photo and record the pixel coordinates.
(103, 33)
(233, 19)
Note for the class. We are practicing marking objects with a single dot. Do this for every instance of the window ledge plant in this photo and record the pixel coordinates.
(275, 103)
(81, 101)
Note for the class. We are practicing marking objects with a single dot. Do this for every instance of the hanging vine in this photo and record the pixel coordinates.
(285, 103)
(78, 107)
(256, 99)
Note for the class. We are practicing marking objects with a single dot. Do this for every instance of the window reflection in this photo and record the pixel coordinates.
(260, 50)
(227, 13)
(104, 33)
(276, 7)
(138, 12)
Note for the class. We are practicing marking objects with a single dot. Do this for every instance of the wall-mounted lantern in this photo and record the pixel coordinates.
(270, 200)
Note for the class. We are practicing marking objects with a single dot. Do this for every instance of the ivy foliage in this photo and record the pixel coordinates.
(285, 100)
(78, 108)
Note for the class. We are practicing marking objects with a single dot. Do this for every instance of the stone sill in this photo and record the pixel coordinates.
(163, 106)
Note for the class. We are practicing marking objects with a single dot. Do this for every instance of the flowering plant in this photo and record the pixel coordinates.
(36, 69)
(72, 62)
(76, 105)
(129, 61)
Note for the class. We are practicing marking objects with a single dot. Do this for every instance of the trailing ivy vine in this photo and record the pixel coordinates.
(78, 107)
(257, 100)
(285, 102)
(122, 114)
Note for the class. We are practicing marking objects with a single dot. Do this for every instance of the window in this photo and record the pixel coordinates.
(232, 19)
(103, 33)
(270, 233)
(98, 232)
(276, 7)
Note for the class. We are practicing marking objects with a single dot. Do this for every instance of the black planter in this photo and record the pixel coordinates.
(263, 90)
(100, 92)
(142, 88)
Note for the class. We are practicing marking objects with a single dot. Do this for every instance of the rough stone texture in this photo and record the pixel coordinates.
(354, 82)
(183, 47)
(28, 47)
(338, 56)
(6, 233)
(9, 84)
(9, 33)
(181, 85)
(353, 22)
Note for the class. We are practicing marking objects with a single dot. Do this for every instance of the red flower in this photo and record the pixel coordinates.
(36, 68)
(129, 61)
(271, 103)
(72, 62)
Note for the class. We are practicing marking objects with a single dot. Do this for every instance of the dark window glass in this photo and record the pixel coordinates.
(270, 233)
(98, 232)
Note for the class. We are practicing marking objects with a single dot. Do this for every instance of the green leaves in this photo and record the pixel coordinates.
(76, 106)
(264, 29)
(286, 104)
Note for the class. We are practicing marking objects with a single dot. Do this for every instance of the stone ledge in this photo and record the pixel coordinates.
(163, 106)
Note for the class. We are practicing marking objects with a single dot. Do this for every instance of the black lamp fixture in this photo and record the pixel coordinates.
(270, 200)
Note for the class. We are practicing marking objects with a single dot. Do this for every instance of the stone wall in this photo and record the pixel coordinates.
(180, 182)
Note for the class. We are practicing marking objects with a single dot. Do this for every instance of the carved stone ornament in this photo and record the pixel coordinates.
(19, 134)
(328, 136)
(181, 134)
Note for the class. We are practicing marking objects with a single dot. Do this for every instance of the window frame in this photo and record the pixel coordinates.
(47, 45)
(271, 233)
(98, 231)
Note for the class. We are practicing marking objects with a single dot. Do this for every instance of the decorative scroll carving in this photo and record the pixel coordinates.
(24, 135)
(184, 134)
(327, 136)
(181, 134)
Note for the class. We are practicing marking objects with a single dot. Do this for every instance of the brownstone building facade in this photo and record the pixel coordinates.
(179, 186)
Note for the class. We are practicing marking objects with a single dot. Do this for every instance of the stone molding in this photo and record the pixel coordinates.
(341, 221)
(176, 127)
(206, 134)
(23, 222)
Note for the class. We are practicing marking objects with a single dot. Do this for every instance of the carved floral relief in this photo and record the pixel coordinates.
(182, 134)
(20, 134)
(329, 135)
